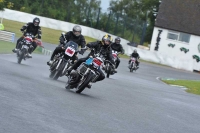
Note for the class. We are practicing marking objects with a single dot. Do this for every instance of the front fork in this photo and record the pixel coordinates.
(58, 64)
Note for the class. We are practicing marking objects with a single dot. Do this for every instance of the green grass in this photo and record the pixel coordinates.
(193, 86)
(48, 35)
(6, 48)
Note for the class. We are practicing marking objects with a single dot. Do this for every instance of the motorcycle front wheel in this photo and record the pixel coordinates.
(131, 67)
(21, 56)
(87, 79)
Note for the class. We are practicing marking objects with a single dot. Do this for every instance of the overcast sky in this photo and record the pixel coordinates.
(105, 4)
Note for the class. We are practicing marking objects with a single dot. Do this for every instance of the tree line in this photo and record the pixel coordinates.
(129, 19)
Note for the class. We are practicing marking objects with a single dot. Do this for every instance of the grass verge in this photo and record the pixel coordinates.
(193, 86)
(6, 48)
(48, 35)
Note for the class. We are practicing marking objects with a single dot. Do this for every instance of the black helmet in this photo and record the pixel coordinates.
(117, 40)
(107, 38)
(36, 21)
(77, 30)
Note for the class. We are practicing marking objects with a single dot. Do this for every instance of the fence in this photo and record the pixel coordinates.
(7, 36)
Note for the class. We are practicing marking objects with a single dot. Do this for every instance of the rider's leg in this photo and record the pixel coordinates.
(17, 45)
(117, 63)
(56, 51)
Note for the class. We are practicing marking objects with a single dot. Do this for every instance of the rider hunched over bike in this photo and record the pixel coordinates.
(99, 46)
(136, 56)
(33, 28)
(116, 46)
(75, 36)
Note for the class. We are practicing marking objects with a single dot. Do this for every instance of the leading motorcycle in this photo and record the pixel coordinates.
(85, 74)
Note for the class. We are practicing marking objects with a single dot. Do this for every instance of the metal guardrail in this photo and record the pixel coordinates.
(7, 36)
(46, 51)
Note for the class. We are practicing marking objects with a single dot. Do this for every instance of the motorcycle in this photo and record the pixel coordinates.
(115, 56)
(132, 65)
(25, 46)
(85, 74)
(63, 61)
(108, 68)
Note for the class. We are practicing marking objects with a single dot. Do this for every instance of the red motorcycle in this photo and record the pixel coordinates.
(26, 44)
(132, 65)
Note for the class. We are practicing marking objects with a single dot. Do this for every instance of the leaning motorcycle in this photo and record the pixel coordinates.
(25, 46)
(132, 65)
(85, 74)
(63, 60)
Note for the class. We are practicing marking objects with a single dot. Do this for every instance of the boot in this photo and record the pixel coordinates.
(15, 50)
(49, 62)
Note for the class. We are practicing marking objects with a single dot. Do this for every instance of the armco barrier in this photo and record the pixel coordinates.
(46, 51)
(7, 36)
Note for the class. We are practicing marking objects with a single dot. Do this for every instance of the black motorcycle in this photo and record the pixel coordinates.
(63, 60)
(108, 66)
(25, 46)
(85, 74)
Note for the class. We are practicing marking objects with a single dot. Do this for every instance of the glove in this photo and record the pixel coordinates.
(22, 29)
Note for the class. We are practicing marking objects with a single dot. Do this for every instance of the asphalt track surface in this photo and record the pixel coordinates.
(127, 102)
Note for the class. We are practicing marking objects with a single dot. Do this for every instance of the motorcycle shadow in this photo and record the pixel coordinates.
(21, 64)
(84, 95)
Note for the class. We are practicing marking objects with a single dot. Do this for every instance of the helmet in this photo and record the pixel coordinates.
(117, 40)
(36, 21)
(77, 30)
(107, 39)
(135, 51)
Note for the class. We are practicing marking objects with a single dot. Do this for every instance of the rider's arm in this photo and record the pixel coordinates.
(24, 27)
(39, 33)
(121, 49)
(62, 40)
(110, 56)
(83, 42)
(92, 44)
(138, 56)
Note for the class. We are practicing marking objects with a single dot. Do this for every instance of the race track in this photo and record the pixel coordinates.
(127, 102)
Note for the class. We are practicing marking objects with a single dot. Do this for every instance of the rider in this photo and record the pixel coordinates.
(136, 56)
(74, 36)
(116, 46)
(35, 29)
(104, 47)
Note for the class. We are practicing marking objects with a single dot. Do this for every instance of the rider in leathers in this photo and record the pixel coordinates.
(136, 56)
(74, 36)
(99, 46)
(35, 29)
(116, 46)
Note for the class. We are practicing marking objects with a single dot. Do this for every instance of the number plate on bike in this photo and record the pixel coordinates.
(133, 59)
(69, 51)
(89, 61)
